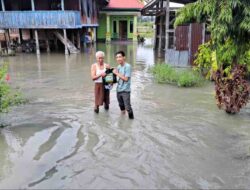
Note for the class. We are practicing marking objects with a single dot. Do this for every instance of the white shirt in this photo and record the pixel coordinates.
(99, 72)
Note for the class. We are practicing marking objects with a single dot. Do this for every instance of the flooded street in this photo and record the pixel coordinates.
(179, 138)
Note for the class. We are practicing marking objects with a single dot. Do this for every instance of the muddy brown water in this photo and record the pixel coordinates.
(179, 138)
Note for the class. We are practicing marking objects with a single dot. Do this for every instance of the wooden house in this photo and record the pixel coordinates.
(179, 44)
(50, 21)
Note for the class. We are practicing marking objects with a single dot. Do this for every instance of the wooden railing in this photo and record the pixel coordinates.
(40, 19)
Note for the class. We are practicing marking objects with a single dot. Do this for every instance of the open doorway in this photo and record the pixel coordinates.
(123, 29)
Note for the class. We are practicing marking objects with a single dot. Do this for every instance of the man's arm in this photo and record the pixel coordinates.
(107, 65)
(124, 77)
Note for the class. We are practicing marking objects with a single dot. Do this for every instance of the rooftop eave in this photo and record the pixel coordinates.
(121, 9)
(117, 12)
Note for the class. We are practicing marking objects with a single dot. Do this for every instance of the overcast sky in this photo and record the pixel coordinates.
(176, 5)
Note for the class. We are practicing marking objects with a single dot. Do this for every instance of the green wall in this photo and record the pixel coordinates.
(101, 30)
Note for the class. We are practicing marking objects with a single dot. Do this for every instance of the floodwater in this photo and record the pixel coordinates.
(178, 139)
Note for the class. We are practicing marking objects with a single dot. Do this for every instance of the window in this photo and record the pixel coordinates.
(131, 27)
(114, 26)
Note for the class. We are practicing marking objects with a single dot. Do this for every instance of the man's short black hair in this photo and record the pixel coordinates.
(120, 52)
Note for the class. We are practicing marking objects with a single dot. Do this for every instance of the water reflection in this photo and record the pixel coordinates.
(6, 164)
(110, 50)
(179, 138)
(39, 66)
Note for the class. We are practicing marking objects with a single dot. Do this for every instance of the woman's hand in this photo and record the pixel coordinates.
(103, 74)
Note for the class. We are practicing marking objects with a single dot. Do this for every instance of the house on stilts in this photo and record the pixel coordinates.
(47, 22)
(179, 44)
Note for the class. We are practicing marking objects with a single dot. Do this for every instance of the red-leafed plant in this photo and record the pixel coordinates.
(232, 92)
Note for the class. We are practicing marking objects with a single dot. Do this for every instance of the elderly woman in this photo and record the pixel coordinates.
(97, 73)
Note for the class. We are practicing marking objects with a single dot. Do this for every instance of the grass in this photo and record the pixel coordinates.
(149, 34)
(145, 29)
(166, 74)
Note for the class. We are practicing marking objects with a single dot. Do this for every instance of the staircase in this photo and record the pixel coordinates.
(71, 47)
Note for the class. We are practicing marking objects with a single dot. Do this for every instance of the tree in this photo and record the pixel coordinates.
(229, 24)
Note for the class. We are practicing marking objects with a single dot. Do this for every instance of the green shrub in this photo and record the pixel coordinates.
(164, 73)
(189, 79)
(8, 97)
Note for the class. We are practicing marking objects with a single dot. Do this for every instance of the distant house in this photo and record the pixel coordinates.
(180, 44)
(49, 20)
(118, 20)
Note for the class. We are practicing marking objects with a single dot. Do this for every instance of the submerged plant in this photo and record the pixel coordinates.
(164, 73)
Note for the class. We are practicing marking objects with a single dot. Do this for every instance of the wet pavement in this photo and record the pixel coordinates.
(179, 138)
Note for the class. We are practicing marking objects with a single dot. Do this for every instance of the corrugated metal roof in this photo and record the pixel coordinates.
(151, 8)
